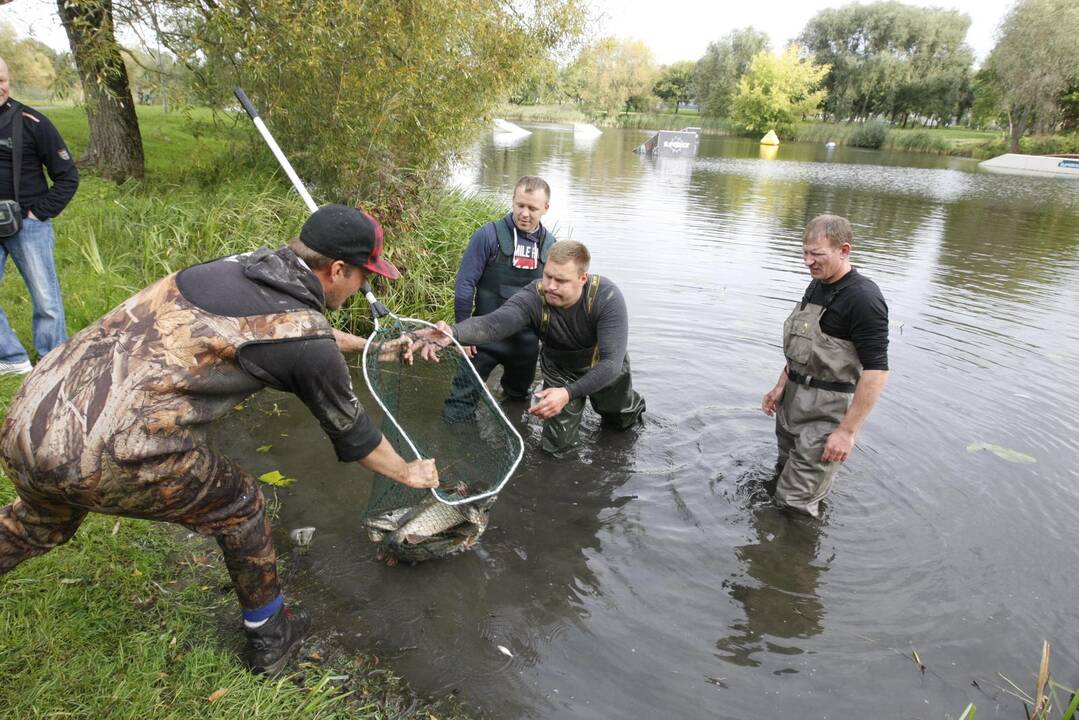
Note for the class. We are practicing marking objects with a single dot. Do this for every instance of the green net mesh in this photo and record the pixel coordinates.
(439, 410)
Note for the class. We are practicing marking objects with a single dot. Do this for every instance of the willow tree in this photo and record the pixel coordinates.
(370, 98)
(612, 72)
(115, 148)
(724, 63)
(1035, 62)
(888, 58)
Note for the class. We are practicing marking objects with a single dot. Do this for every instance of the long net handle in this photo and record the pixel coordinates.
(378, 310)
(275, 149)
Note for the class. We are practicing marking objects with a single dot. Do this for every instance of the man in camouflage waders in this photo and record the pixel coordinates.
(501, 258)
(836, 343)
(113, 422)
(582, 321)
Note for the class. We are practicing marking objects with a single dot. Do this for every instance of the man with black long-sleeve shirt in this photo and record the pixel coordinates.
(836, 344)
(41, 150)
(582, 322)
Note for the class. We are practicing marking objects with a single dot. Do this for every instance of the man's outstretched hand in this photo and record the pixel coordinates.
(429, 342)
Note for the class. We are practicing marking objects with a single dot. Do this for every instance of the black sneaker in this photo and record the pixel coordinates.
(272, 645)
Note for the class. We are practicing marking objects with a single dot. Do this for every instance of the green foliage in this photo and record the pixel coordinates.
(894, 60)
(540, 83)
(158, 79)
(777, 91)
(371, 99)
(1069, 107)
(1036, 61)
(30, 62)
(988, 108)
(724, 63)
(611, 72)
(921, 141)
(869, 135)
(675, 83)
(945, 141)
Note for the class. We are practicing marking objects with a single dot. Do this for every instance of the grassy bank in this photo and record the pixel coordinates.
(130, 619)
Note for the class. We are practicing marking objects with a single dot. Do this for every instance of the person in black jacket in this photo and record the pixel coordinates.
(41, 150)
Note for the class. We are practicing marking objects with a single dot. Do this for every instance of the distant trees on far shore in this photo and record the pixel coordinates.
(883, 62)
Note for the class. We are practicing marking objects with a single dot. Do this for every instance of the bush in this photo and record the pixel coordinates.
(372, 98)
(869, 135)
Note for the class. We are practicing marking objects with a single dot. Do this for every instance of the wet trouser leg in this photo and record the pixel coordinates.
(30, 527)
(215, 497)
(198, 489)
(784, 444)
(617, 403)
(805, 418)
(562, 432)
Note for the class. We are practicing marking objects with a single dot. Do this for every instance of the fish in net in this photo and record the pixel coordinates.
(440, 410)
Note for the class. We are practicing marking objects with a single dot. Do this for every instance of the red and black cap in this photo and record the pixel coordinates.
(350, 235)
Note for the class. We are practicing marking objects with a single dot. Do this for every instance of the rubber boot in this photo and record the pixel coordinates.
(272, 645)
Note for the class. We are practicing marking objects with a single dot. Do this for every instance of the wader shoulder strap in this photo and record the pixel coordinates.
(809, 293)
(593, 290)
(545, 245)
(828, 299)
(545, 311)
(505, 238)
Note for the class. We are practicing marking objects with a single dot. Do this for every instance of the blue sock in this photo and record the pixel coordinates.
(257, 618)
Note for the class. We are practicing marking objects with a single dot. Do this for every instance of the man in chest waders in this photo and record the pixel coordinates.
(582, 321)
(836, 344)
(501, 258)
(114, 421)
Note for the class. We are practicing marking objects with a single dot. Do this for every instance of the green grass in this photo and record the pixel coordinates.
(942, 141)
(125, 621)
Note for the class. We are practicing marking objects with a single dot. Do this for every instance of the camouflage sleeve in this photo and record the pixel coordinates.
(315, 371)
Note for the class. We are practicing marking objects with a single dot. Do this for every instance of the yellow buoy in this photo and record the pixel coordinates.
(770, 139)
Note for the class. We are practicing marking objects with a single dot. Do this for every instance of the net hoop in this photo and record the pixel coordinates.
(497, 488)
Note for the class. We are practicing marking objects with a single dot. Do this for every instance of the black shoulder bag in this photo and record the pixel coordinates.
(10, 210)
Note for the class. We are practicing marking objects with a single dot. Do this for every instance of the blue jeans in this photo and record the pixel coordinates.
(31, 249)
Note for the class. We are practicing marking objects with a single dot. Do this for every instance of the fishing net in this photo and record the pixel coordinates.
(443, 411)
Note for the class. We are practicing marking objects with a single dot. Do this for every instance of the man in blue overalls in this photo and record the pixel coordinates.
(502, 257)
(836, 344)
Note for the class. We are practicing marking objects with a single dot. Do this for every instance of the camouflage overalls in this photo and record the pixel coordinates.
(112, 422)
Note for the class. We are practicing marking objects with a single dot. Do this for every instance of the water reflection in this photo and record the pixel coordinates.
(777, 587)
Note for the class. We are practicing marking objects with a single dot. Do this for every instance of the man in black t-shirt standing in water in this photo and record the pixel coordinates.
(836, 344)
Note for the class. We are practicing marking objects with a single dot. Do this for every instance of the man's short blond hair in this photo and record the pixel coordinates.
(531, 183)
(567, 250)
(833, 227)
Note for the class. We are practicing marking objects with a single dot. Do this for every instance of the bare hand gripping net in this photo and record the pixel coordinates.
(442, 411)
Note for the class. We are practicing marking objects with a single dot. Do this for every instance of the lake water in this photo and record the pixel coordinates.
(645, 578)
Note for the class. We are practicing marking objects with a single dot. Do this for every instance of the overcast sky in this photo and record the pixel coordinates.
(674, 29)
